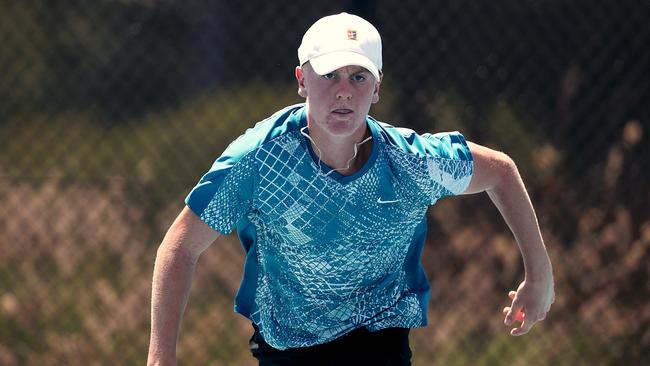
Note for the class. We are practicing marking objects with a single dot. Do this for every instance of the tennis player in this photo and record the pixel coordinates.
(330, 207)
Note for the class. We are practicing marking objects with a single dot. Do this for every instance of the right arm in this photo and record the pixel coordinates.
(177, 255)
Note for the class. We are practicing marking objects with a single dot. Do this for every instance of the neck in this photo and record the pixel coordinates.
(338, 152)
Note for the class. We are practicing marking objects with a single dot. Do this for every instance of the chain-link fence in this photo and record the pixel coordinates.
(110, 111)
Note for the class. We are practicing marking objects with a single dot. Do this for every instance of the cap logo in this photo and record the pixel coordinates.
(352, 34)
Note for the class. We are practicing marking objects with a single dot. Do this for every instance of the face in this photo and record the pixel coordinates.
(338, 102)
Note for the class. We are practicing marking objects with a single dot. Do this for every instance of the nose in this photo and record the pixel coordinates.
(344, 90)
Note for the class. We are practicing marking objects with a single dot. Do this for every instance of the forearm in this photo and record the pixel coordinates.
(496, 174)
(184, 242)
(510, 197)
(172, 278)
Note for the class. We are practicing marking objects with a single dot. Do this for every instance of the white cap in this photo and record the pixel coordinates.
(341, 40)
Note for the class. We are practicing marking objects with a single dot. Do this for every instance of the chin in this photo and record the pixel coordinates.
(339, 126)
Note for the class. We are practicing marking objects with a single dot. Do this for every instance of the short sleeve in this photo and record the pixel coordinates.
(449, 163)
(224, 194)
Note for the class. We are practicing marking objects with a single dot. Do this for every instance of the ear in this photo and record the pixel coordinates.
(375, 94)
(300, 77)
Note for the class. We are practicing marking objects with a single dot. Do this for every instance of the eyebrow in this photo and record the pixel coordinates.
(358, 71)
(356, 68)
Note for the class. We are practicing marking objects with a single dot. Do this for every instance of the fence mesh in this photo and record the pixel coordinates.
(110, 111)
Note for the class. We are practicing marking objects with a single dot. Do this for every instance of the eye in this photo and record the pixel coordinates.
(359, 77)
(329, 76)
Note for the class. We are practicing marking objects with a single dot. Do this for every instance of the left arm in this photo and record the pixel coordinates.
(497, 174)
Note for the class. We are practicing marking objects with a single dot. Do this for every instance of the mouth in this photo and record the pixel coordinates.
(342, 111)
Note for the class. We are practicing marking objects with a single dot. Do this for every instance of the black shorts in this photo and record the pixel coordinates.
(359, 347)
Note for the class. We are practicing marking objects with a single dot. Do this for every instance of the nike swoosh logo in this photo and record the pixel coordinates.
(379, 200)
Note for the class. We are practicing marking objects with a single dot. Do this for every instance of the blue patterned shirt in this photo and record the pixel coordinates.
(326, 254)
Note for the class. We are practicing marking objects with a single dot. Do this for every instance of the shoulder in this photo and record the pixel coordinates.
(278, 124)
(450, 145)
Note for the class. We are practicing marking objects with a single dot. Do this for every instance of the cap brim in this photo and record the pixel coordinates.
(329, 62)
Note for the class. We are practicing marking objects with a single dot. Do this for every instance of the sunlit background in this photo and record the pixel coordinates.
(110, 111)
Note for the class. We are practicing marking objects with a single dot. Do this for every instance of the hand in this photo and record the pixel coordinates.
(530, 304)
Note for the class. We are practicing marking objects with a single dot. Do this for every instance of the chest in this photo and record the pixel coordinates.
(296, 202)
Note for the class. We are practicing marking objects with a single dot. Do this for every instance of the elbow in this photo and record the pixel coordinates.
(507, 165)
(506, 171)
(175, 246)
(492, 170)
(178, 255)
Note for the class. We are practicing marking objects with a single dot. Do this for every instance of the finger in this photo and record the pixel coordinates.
(525, 328)
(515, 309)
(519, 317)
(506, 310)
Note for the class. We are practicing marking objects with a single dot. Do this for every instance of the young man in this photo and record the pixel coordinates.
(330, 206)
